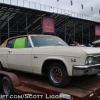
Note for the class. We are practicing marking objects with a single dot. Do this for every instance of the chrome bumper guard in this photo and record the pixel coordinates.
(85, 70)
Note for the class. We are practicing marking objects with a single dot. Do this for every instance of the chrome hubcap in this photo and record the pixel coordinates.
(56, 74)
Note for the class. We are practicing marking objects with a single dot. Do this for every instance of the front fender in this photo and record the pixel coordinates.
(60, 59)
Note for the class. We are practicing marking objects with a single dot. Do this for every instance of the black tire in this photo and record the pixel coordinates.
(57, 75)
(7, 87)
(0, 83)
(1, 68)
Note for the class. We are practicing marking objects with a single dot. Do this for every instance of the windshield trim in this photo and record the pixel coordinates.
(30, 40)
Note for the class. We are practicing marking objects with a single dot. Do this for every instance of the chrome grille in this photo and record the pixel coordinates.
(96, 59)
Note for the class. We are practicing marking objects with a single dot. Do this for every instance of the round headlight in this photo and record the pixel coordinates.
(89, 60)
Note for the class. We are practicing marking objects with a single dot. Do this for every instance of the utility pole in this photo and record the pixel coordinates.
(91, 10)
(57, 5)
(71, 5)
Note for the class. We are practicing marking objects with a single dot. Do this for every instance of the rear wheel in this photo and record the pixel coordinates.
(57, 75)
(0, 83)
(7, 87)
(1, 68)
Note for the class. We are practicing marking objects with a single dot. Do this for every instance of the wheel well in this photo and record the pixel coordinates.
(1, 76)
(1, 64)
(47, 63)
(1, 67)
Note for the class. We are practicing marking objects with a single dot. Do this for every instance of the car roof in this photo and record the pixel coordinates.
(4, 43)
(29, 35)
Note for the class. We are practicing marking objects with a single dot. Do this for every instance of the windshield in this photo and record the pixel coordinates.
(39, 41)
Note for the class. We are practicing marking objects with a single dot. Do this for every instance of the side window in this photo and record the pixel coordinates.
(10, 43)
(20, 42)
(27, 43)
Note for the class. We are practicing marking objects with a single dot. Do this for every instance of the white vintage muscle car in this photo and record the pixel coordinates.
(49, 55)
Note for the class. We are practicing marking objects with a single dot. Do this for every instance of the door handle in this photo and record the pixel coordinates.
(9, 51)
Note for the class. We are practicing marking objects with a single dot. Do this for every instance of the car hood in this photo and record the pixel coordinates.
(68, 50)
(88, 50)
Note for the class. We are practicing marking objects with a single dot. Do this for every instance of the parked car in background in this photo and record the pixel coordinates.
(82, 45)
(49, 55)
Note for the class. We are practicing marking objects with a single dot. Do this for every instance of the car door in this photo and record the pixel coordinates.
(19, 54)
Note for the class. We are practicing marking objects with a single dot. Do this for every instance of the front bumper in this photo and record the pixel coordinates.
(85, 70)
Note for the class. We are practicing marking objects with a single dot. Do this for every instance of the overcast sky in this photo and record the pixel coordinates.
(76, 7)
(66, 4)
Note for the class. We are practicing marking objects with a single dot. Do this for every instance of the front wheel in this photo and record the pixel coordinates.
(57, 75)
(7, 87)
